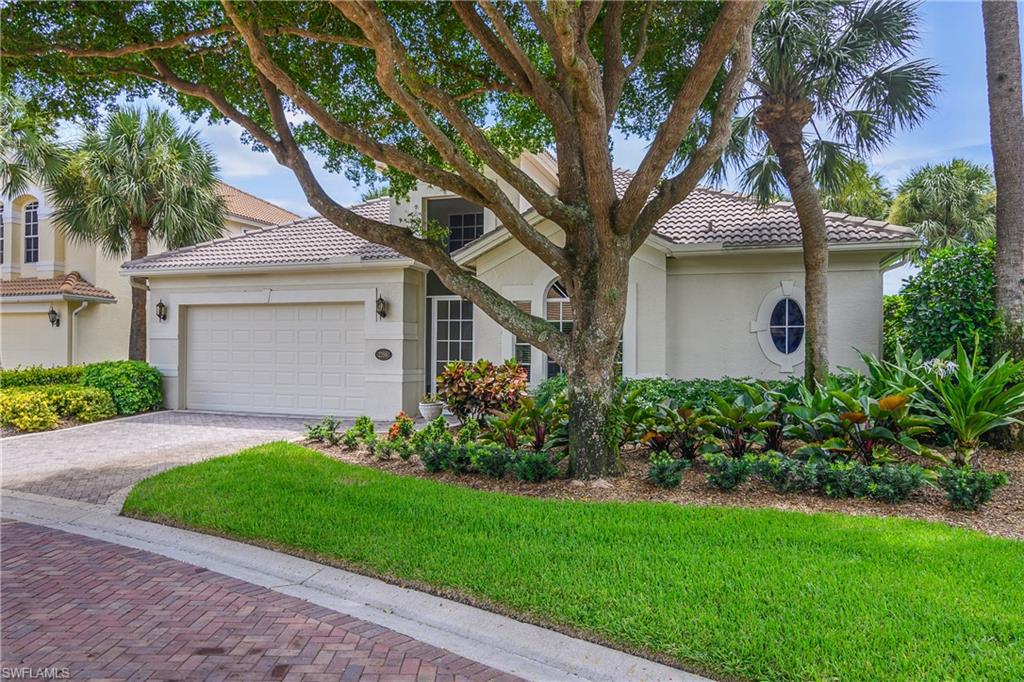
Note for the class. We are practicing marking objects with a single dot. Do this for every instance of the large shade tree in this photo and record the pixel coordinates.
(831, 81)
(436, 92)
(134, 179)
(947, 204)
(1006, 117)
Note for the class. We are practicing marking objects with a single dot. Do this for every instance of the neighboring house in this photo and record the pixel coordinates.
(90, 303)
(306, 318)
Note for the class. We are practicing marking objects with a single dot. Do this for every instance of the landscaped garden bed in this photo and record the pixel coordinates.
(1002, 516)
(47, 398)
(903, 440)
(729, 592)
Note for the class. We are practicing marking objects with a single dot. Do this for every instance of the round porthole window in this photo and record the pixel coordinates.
(786, 326)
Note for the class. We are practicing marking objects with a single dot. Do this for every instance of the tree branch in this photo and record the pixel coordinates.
(734, 19)
(391, 53)
(539, 332)
(675, 189)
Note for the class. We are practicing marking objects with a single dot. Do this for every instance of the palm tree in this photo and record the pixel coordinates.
(29, 151)
(840, 68)
(1006, 119)
(138, 178)
(862, 193)
(947, 204)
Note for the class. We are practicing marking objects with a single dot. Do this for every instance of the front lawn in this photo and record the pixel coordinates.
(747, 593)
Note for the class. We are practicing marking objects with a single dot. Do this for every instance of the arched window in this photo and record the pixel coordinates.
(558, 311)
(32, 232)
(786, 325)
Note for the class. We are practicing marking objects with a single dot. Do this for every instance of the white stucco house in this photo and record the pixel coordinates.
(284, 319)
(41, 271)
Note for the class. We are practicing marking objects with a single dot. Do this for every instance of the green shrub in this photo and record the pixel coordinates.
(727, 472)
(27, 410)
(533, 467)
(40, 407)
(952, 299)
(784, 474)
(489, 459)
(436, 431)
(82, 403)
(666, 471)
(135, 386)
(350, 438)
(364, 428)
(894, 482)
(325, 431)
(844, 479)
(469, 432)
(968, 488)
(894, 332)
(440, 456)
(40, 376)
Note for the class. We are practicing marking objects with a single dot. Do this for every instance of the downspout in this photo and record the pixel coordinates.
(74, 331)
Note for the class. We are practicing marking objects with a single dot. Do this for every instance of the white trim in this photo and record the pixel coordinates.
(787, 362)
(432, 332)
(32, 298)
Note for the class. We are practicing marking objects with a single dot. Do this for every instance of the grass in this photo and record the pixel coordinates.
(757, 594)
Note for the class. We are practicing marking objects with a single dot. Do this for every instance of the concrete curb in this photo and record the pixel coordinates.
(509, 645)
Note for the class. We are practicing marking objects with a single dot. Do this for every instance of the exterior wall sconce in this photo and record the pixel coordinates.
(161, 311)
(54, 317)
(382, 308)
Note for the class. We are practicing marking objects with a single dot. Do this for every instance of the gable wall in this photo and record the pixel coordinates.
(713, 299)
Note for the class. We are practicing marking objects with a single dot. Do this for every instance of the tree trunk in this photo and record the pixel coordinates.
(599, 308)
(137, 331)
(784, 125)
(1006, 120)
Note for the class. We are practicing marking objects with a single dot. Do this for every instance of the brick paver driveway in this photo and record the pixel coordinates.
(92, 463)
(99, 610)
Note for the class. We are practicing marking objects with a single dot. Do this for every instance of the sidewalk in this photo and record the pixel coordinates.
(497, 644)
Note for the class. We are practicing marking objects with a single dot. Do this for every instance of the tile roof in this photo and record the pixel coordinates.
(253, 208)
(706, 216)
(70, 285)
(311, 240)
(733, 219)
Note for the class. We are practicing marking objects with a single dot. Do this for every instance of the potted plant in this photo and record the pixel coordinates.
(430, 407)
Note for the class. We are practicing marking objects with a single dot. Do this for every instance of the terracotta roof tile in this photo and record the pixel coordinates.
(709, 216)
(71, 285)
(706, 216)
(311, 240)
(253, 208)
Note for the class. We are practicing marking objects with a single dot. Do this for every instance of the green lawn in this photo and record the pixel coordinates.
(745, 593)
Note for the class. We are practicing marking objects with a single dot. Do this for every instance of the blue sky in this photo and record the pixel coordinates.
(951, 36)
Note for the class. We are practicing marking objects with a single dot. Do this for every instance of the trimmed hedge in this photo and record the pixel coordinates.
(135, 386)
(38, 408)
(693, 392)
(40, 376)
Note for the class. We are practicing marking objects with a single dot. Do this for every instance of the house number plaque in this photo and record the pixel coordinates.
(382, 354)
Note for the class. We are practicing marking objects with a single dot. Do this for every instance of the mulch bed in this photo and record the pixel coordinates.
(64, 423)
(1002, 516)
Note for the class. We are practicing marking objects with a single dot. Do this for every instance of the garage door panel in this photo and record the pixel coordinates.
(298, 359)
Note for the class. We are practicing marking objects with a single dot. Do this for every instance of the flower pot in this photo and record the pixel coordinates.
(431, 411)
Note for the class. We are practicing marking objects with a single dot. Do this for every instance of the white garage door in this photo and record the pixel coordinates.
(279, 359)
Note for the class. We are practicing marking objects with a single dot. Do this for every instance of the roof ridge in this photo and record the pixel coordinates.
(220, 240)
(260, 199)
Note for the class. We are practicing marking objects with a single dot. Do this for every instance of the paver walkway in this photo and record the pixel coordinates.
(92, 463)
(99, 610)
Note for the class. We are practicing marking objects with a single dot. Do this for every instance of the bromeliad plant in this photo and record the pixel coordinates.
(970, 400)
(541, 426)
